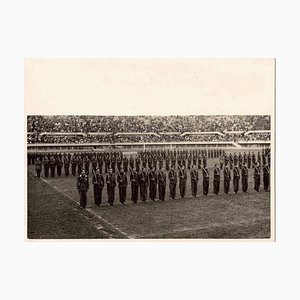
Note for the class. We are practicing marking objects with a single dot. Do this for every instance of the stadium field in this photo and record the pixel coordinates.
(54, 212)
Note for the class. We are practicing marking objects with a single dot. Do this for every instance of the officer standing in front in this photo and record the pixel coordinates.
(236, 178)
(111, 183)
(205, 174)
(216, 179)
(122, 180)
(172, 182)
(194, 180)
(245, 177)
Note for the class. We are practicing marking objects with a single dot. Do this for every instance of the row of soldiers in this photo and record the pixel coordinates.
(157, 181)
(53, 163)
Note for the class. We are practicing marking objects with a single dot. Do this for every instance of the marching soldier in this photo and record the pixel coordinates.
(227, 178)
(216, 179)
(205, 174)
(122, 180)
(236, 178)
(74, 164)
(172, 182)
(143, 180)
(52, 166)
(266, 176)
(98, 182)
(256, 177)
(38, 167)
(134, 179)
(245, 177)
(161, 184)
(66, 165)
(152, 184)
(46, 166)
(194, 180)
(111, 183)
(182, 181)
(82, 187)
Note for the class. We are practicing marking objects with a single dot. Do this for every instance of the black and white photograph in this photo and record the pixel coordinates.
(169, 176)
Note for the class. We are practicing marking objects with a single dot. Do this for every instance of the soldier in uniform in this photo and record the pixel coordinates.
(38, 167)
(79, 164)
(249, 160)
(216, 179)
(134, 179)
(256, 177)
(98, 182)
(205, 174)
(125, 164)
(122, 180)
(74, 164)
(152, 184)
(46, 166)
(143, 180)
(66, 165)
(172, 182)
(236, 178)
(111, 183)
(87, 164)
(82, 187)
(94, 163)
(59, 164)
(194, 180)
(182, 181)
(245, 177)
(162, 178)
(227, 178)
(131, 162)
(52, 166)
(221, 162)
(266, 176)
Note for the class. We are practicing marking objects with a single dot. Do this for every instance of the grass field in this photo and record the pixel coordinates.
(54, 212)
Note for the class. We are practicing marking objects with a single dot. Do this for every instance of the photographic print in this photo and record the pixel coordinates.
(150, 176)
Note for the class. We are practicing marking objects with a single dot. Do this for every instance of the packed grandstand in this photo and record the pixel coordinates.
(147, 129)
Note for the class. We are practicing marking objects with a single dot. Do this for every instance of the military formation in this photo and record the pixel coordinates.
(149, 172)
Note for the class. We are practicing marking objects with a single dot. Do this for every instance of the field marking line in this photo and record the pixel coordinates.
(87, 209)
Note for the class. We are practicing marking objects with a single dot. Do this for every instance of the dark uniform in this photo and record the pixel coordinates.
(194, 181)
(227, 178)
(79, 164)
(161, 177)
(52, 166)
(172, 183)
(82, 187)
(98, 182)
(125, 163)
(205, 174)
(182, 182)
(59, 166)
(66, 165)
(46, 166)
(111, 183)
(73, 165)
(216, 180)
(134, 178)
(152, 184)
(38, 168)
(143, 180)
(256, 178)
(236, 178)
(245, 178)
(122, 180)
(266, 177)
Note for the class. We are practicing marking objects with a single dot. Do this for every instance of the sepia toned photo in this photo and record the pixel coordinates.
(155, 175)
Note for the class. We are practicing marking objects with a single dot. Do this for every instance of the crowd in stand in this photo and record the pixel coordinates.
(153, 169)
(115, 124)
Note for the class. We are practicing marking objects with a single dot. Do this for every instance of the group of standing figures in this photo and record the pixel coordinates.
(146, 173)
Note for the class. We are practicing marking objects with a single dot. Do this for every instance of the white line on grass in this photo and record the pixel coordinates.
(88, 209)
